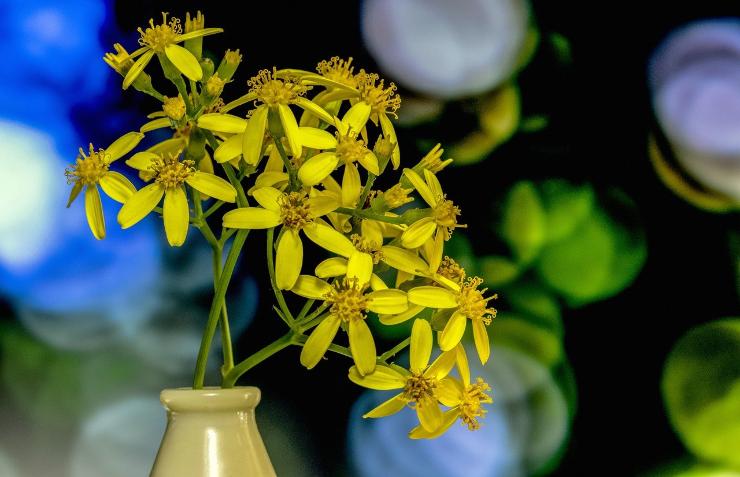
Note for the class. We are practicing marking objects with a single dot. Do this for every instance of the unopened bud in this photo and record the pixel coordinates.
(174, 108)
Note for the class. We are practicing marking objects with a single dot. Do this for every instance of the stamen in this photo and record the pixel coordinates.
(349, 148)
(294, 210)
(348, 299)
(88, 169)
(471, 408)
(158, 37)
(338, 70)
(170, 172)
(472, 304)
(419, 387)
(367, 246)
(273, 91)
(382, 100)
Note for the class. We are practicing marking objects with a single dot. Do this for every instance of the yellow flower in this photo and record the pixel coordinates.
(465, 302)
(439, 225)
(170, 176)
(465, 400)
(164, 39)
(349, 305)
(420, 384)
(382, 102)
(276, 95)
(93, 169)
(296, 211)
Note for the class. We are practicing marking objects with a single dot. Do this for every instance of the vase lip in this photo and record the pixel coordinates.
(210, 399)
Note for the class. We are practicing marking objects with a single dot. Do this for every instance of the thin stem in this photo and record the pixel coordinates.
(237, 371)
(271, 270)
(182, 89)
(215, 312)
(307, 306)
(394, 351)
(365, 214)
(315, 313)
(292, 174)
(300, 340)
(216, 205)
(241, 197)
(366, 190)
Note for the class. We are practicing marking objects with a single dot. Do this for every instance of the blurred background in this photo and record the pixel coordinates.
(597, 165)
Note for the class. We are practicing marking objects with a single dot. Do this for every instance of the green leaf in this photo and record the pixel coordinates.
(513, 331)
(566, 205)
(498, 271)
(524, 222)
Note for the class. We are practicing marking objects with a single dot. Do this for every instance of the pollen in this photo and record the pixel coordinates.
(294, 210)
(273, 91)
(349, 148)
(472, 303)
(471, 405)
(88, 169)
(339, 70)
(445, 214)
(397, 196)
(418, 387)
(373, 91)
(174, 108)
(158, 37)
(348, 300)
(367, 246)
(451, 270)
(171, 173)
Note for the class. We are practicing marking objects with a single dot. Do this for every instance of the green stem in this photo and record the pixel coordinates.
(241, 197)
(394, 351)
(216, 306)
(237, 371)
(300, 340)
(364, 214)
(292, 173)
(182, 89)
(306, 307)
(271, 270)
(366, 190)
(216, 205)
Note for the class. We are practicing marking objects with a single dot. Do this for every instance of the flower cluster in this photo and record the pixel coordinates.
(301, 161)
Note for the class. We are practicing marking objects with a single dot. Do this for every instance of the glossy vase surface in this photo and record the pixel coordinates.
(212, 433)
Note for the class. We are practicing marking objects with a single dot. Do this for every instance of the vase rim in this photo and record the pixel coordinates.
(210, 399)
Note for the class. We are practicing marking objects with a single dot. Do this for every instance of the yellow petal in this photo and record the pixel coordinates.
(372, 232)
(360, 266)
(317, 168)
(315, 109)
(319, 340)
(254, 135)
(362, 346)
(123, 145)
(402, 259)
(433, 183)
(137, 68)
(384, 378)
(320, 205)
(420, 348)
(418, 233)
(184, 61)
(169, 146)
(482, 343)
(401, 317)
(316, 138)
(433, 297)
(421, 187)
(388, 131)
(387, 408)
(251, 218)
(76, 189)
(377, 283)
(461, 361)
(388, 302)
(139, 205)
(441, 366)
(430, 415)
(448, 419)
(329, 239)
(155, 124)
(94, 212)
(117, 186)
(142, 161)
(351, 186)
(311, 287)
(244, 99)
(176, 216)
(332, 267)
(268, 197)
(290, 126)
(229, 149)
(449, 391)
(225, 123)
(212, 186)
(356, 117)
(453, 331)
(437, 250)
(289, 259)
(268, 179)
(370, 162)
(198, 34)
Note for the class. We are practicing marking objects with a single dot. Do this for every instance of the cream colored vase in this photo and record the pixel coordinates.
(212, 433)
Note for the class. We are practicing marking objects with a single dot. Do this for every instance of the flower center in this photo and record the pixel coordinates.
(174, 108)
(445, 214)
(471, 408)
(397, 196)
(452, 270)
(419, 387)
(88, 169)
(349, 148)
(294, 210)
(158, 37)
(373, 91)
(171, 173)
(472, 304)
(273, 91)
(338, 70)
(367, 246)
(348, 299)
